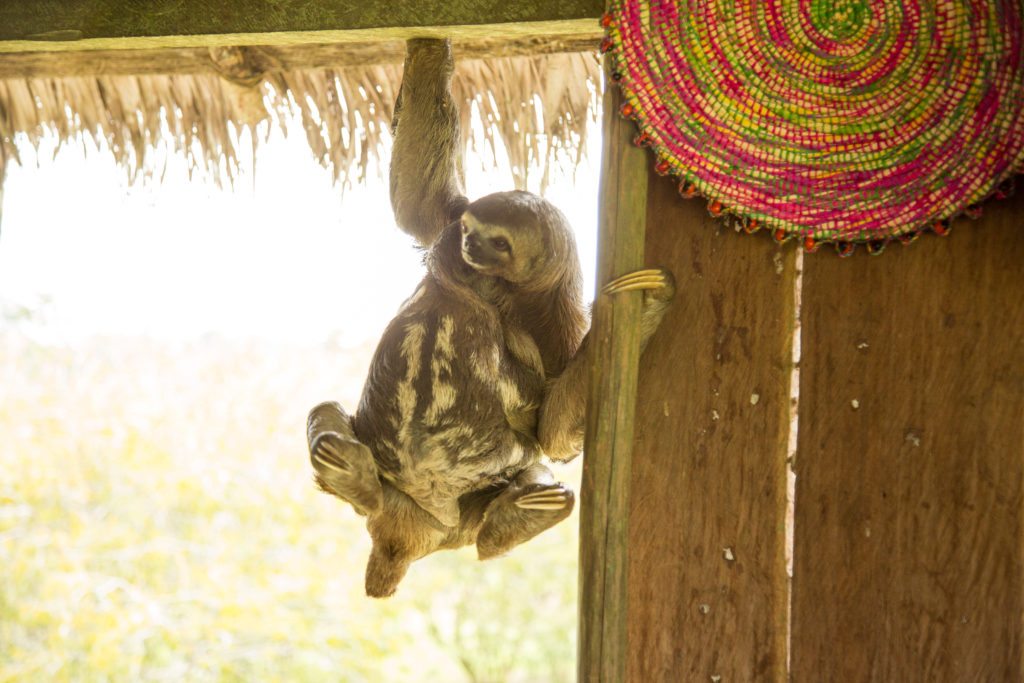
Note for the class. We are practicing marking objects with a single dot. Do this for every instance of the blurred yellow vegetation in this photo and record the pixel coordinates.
(158, 522)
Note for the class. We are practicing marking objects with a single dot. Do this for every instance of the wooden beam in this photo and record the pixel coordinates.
(75, 25)
(615, 334)
(909, 559)
(203, 60)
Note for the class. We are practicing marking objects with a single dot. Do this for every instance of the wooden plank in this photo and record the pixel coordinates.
(908, 559)
(198, 60)
(57, 25)
(615, 334)
(709, 590)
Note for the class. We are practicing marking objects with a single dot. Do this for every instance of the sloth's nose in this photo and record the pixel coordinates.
(471, 240)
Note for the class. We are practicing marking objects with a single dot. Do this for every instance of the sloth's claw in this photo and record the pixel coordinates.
(649, 278)
(545, 499)
(328, 455)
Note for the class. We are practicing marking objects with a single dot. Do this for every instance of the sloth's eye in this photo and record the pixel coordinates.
(501, 244)
(463, 227)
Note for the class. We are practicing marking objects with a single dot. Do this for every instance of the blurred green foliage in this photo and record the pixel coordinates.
(158, 522)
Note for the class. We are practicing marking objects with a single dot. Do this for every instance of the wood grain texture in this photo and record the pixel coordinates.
(95, 24)
(615, 336)
(709, 465)
(908, 558)
(198, 60)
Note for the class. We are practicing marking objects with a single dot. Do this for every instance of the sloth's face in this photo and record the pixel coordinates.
(507, 252)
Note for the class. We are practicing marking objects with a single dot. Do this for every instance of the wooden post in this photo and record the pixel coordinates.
(708, 591)
(3, 177)
(609, 432)
(909, 559)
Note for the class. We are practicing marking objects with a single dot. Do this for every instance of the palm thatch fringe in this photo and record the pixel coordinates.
(537, 108)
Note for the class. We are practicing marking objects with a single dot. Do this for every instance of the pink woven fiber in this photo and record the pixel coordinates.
(841, 120)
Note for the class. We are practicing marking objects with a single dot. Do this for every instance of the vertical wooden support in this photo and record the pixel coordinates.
(3, 177)
(609, 431)
(909, 540)
(708, 591)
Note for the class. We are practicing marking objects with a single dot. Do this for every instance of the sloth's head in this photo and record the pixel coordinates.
(518, 237)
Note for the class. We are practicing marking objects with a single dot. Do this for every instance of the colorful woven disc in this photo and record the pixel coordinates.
(835, 120)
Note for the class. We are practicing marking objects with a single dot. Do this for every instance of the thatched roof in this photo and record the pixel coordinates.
(540, 107)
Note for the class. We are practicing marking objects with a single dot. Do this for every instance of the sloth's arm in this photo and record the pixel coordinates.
(426, 163)
(562, 414)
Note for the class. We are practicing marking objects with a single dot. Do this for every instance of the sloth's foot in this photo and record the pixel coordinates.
(519, 514)
(346, 468)
(659, 282)
(328, 416)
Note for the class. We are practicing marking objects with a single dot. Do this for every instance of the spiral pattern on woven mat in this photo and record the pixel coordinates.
(847, 120)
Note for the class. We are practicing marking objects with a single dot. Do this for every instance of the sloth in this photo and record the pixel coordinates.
(482, 371)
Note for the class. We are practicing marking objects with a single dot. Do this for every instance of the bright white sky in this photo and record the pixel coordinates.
(284, 257)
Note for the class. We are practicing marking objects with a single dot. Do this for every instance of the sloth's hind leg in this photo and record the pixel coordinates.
(344, 466)
(532, 503)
